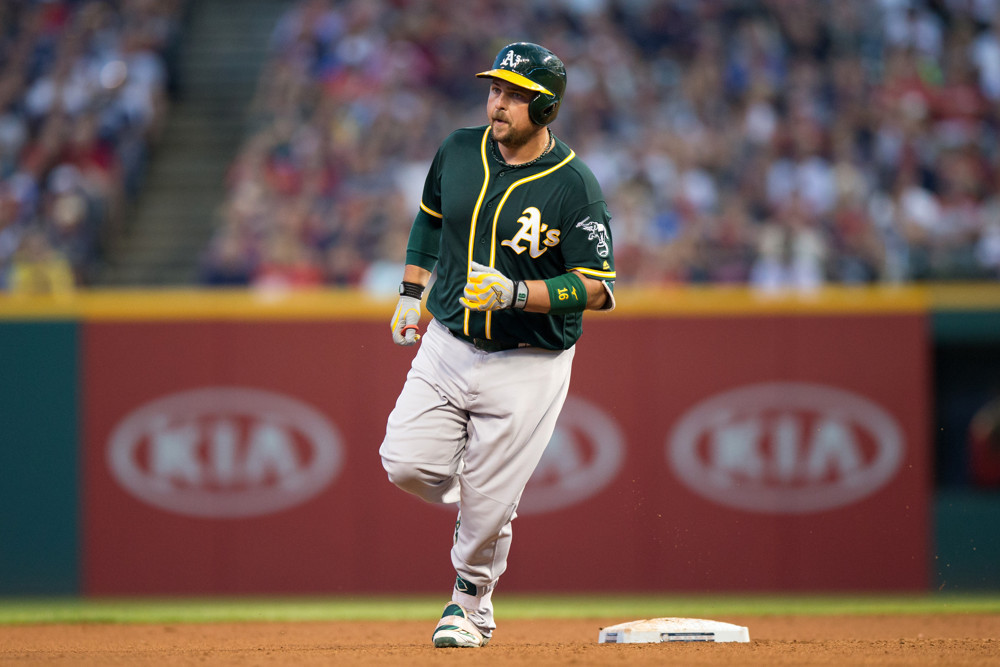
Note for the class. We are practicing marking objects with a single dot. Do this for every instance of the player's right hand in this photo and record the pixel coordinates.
(487, 289)
(405, 320)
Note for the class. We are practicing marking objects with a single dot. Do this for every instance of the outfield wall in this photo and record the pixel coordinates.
(713, 440)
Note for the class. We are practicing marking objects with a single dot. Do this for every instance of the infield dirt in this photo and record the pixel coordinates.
(948, 639)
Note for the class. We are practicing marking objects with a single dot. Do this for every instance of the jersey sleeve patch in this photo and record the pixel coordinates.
(598, 233)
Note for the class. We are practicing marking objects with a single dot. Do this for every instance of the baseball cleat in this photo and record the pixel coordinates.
(455, 630)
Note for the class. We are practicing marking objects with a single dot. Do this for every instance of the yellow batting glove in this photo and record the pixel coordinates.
(487, 289)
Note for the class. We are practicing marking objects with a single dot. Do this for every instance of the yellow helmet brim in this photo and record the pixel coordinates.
(516, 79)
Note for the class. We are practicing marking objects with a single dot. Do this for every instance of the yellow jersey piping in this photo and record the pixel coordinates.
(430, 212)
(472, 225)
(603, 275)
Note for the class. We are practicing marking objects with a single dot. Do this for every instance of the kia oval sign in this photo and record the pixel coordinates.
(583, 455)
(786, 448)
(224, 452)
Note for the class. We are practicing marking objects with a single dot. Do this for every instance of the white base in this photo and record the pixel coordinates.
(657, 630)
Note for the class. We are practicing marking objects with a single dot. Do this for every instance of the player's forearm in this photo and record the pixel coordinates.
(416, 274)
(597, 295)
(538, 295)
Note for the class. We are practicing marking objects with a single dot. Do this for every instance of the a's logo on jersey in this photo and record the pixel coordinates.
(531, 232)
(599, 232)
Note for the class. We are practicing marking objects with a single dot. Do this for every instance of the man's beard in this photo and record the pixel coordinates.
(514, 138)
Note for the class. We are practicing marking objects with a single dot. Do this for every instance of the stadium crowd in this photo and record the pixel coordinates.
(84, 88)
(770, 142)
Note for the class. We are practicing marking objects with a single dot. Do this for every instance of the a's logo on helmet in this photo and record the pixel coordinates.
(511, 60)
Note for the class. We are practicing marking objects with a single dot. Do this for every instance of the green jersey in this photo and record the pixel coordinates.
(530, 222)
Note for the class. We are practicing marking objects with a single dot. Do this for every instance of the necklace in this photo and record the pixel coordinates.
(504, 163)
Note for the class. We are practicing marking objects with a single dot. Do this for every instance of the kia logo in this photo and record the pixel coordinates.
(224, 452)
(786, 448)
(582, 457)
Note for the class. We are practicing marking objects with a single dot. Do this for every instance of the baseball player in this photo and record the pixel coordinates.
(518, 231)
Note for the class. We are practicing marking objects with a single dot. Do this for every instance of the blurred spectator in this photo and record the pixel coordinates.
(231, 263)
(38, 268)
(791, 254)
(287, 264)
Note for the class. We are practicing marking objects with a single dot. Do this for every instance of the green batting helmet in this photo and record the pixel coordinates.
(536, 68)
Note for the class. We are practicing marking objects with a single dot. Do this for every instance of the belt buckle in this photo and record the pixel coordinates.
(482, 344)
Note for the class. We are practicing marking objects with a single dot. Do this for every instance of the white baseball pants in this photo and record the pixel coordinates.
(470, 427)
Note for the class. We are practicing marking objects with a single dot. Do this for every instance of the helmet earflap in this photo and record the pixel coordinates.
(542, 110)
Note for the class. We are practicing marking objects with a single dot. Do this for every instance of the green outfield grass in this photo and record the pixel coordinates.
(217, 610)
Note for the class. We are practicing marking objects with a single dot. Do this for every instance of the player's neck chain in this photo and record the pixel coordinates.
(507, 165)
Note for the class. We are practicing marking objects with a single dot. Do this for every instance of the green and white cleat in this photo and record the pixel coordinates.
(455, 630)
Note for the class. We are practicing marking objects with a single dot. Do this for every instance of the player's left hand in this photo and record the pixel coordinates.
(405, 320)
(487, 289)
